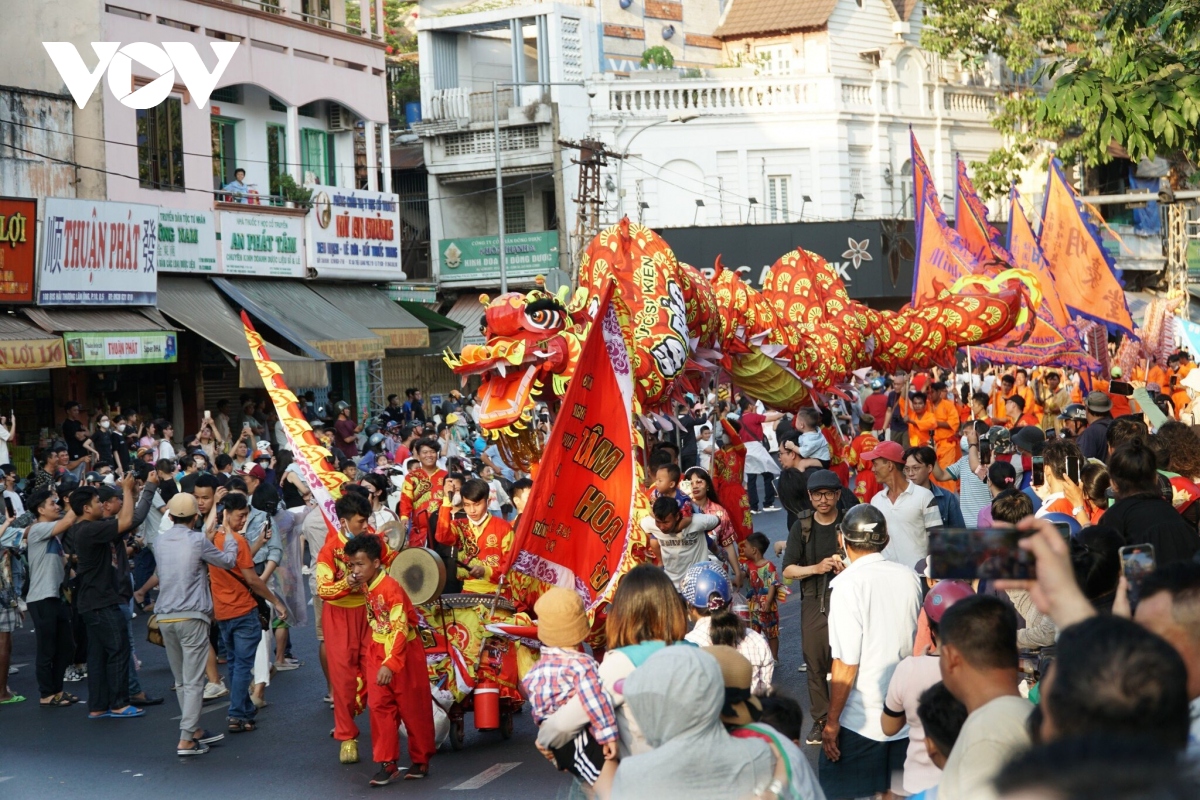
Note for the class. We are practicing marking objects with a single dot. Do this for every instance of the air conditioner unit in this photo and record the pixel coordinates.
(340, 118)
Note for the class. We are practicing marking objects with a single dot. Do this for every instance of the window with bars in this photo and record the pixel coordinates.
(160, 146)
(514, 213)
(277, 106)
(777, 198)
(478, 142)
(227, 94)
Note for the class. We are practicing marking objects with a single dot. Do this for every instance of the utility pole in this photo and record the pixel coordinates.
(593, 156)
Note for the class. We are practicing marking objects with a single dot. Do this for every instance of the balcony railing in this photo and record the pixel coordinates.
(715, 97)
(446, 104)
(294, 9)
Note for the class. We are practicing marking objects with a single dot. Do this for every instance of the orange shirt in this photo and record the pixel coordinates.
(420, 496)
(485, 545)
(1060, 506)
(333, 571)
(999, 398)
(918, 434)
(945, 411)
(231, 596)
(1158, 375)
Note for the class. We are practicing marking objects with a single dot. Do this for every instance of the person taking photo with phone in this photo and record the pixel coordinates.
(1056, 455)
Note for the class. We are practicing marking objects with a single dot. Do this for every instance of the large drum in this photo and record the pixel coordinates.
(421, 572)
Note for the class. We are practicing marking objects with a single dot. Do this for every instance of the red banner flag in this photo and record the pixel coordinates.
(1084, 274)
(578, 529)
(309, 455)
(942, 257)
(971, 222)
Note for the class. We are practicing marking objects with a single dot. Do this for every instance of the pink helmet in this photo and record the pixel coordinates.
(944, 595)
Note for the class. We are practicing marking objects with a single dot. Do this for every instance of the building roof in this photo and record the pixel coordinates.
(746, 18)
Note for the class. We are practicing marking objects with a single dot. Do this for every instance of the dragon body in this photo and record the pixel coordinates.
(800, 335)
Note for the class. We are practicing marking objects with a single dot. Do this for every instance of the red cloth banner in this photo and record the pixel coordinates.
(1084, 274)
(578, 530)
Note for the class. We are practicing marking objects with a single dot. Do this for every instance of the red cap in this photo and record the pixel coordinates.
(888, 451)
(254, 471)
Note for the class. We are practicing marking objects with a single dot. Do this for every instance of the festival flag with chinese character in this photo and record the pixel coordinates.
(1053, 340)
(971, 222)
(942, 256)
(1084, 274)
(578, 530)
(313, 460)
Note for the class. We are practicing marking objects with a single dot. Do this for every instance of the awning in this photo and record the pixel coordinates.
(304, 318)
(468, 312)
(443, 332)
(26, 347)
(197, 305)
(94, 320)
(374, 309)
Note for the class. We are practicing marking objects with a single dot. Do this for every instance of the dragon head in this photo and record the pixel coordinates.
(531, 338)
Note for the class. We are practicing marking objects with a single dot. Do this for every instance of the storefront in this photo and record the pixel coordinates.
(27, 357)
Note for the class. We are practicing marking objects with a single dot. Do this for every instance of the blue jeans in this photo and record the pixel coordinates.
(135, 686)
(241, 636)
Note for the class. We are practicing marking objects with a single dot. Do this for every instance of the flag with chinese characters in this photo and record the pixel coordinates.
(1053, 340)
(942, 255)
(1086, 278)
(579, 529)
(313, 460)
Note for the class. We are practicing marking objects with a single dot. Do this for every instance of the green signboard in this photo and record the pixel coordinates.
(527, 255)
(123, 347)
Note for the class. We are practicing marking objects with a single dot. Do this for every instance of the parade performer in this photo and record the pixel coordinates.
(397, 679)
(344, 620)
(422, 493)
(481, 541)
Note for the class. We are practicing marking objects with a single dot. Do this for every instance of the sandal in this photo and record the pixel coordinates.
(13, 698)
(71, 697)
(241, 726)
(59, 701)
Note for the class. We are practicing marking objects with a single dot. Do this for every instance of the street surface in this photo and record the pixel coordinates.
(51, 753)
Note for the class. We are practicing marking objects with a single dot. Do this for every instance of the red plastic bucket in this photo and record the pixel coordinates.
(487, 705)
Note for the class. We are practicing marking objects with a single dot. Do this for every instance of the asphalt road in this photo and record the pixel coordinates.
(59, 753)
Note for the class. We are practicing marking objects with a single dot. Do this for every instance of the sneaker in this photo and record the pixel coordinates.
(755, 511)
(416, 772)
(208, 737)
(388, 772)
(349, 752)
(214, 690)
(814, 735)
(306, 570)
(197, 749)
(284, 666)
(74, 674)
(13, 670)
(770, 508)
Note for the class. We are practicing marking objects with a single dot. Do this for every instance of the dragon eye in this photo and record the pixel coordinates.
(544, 318)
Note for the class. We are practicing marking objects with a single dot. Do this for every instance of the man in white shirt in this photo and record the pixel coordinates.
(909, 509)
(977, 642)
(7, 426)
(873, 609)
(680, 539)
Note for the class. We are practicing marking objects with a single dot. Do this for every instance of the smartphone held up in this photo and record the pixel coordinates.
(979, 554)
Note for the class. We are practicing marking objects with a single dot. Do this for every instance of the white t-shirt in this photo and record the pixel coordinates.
(873, 610)
(165, 450)
(991, 736)
(908, 521)
(18, 505)
(913, 676)
(682, 550)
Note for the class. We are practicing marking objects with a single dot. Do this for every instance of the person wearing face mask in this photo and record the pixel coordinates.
(481, 540)
(973, 492)
(106, 441)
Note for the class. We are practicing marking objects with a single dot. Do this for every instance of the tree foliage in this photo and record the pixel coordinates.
(659, 56)
(1081, 75)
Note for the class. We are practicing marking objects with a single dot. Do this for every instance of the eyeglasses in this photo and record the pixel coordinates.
(824, 495)
(912, 468)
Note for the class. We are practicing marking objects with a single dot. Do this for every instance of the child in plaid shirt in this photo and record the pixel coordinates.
(563, 671)
(764, 591)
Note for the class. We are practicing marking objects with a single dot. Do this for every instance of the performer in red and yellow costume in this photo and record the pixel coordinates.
(422, 493)
(481, 539)
(397, 680)
(344, 619)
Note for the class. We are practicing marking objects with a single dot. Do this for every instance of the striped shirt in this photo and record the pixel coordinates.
(973, 494)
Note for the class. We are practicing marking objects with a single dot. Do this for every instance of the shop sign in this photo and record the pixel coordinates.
(261, 245)
(526, 255)
(31, 353)
(354, 234)
(187, 241)
(98, 253)
(124, 347)
(18, 250)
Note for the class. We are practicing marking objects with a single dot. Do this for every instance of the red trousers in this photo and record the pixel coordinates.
(347, 648)
(406, 699)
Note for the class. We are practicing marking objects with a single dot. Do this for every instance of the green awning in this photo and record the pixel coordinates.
(374, 309)
(443, 332)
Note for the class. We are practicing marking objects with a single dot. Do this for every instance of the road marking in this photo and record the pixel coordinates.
(487, 776)
(208, 710)
(6, 778)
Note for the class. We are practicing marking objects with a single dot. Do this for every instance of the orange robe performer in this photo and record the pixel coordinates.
(344, 619)
(419, 498)
(481, 544)
(397, 679)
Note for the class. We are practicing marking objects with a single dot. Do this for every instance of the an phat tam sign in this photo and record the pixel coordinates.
(98, 253)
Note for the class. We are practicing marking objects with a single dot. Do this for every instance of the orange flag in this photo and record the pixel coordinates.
(942, 256)
(971, 222)
(579, 529)
(1087, 281)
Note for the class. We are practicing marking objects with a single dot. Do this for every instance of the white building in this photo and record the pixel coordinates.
(813, 124)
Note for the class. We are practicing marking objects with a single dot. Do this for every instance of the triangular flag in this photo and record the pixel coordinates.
(971, 222)
(1085, 275)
